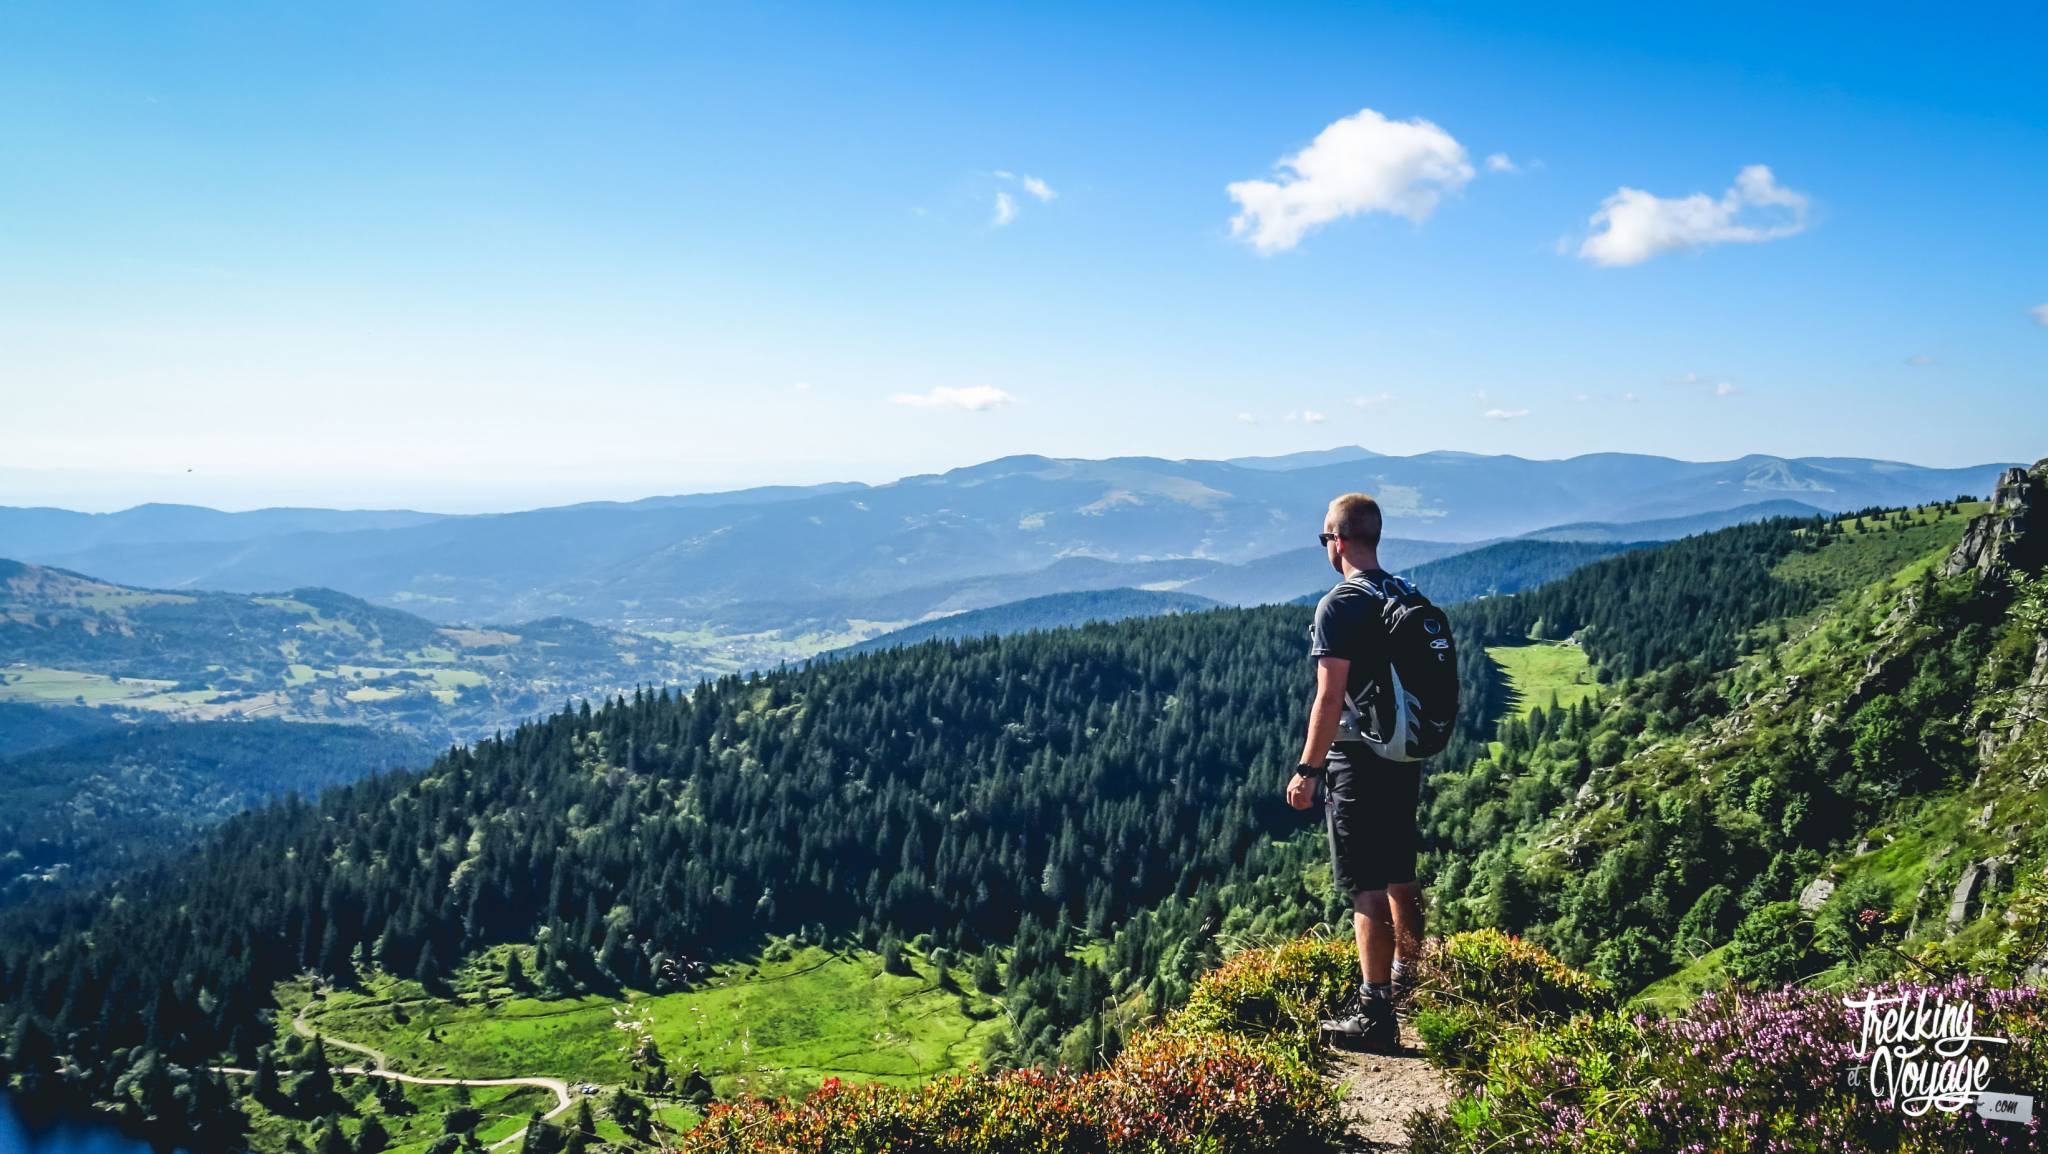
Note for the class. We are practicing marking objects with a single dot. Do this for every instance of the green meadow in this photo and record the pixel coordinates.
(1537, 671)
(777, 1024)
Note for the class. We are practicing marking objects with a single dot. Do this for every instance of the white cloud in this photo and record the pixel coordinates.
(802, 386)
(1581, 397)
(1362, 163)
(1311, 417)
(1921, 360)
(973, 398)
(1038, 188)
(1372, 401)
(1499, 162)
(1505, 414)
(1006, 210)
(1635, 226)
(1726, 389)
(1628, 396)
(1247, 419)
(2039, 313)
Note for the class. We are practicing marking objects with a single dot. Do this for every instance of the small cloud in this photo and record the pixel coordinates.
(1479, 395)
(1505, 414)
(1499, 162)
(1582, 398)
(1247, 419)
(1635, 226)
(1038, 188)
(1005, 174)
(1921, 360)
(1006, 210)
(2039, 313)
(802, 386)
(973, 398)
(1686, 379)
(1362, 163)
(1628, 396)
(1311, 417)
(1726, 389)
(1373, 400)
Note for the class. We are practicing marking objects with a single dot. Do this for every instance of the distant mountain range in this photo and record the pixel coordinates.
(1490, 570)
(1053, 611)
(816, 558)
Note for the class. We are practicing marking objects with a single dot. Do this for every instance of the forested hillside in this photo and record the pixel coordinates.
(1831, 744)
(1119, 782)
(85, 809)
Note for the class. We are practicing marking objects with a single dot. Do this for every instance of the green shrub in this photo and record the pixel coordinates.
(1274, 993)
(1482, 985)
(1772, 946)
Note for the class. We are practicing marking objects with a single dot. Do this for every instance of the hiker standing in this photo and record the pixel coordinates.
(1386, 693)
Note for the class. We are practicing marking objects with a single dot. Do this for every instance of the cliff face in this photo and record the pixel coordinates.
(2012, 535)
(1999, 540)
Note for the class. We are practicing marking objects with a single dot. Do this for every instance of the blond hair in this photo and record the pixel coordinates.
(1357, 517)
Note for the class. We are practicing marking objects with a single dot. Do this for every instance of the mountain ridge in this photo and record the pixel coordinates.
(671, 563)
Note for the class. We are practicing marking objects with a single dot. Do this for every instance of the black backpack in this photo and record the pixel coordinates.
(1407, 712)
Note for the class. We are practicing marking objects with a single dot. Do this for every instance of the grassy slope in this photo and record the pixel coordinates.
(1921, 849)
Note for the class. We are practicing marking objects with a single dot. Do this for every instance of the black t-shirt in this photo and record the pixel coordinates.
(1348, 625)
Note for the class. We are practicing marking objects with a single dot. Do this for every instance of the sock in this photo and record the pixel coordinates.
(1379, 991)
(1400, 971)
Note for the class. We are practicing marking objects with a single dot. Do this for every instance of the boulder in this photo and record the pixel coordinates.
(1816, 894)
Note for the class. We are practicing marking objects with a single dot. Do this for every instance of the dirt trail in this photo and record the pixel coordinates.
(1382, 1090)
(300, 1027)
(557, 1086)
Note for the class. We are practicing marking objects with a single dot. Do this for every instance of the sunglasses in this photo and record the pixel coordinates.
(1326, 538)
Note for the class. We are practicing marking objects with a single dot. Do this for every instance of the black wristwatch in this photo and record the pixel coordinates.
(1307, 770)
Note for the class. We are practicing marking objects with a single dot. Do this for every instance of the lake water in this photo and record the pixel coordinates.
(19, 1135)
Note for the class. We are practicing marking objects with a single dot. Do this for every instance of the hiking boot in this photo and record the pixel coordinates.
(1366, 1022)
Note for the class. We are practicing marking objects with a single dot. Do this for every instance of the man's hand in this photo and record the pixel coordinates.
(1301, 792)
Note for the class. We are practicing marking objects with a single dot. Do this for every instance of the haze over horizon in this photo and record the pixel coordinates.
(112, 492)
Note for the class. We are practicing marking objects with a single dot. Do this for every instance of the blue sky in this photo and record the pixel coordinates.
(470, 256)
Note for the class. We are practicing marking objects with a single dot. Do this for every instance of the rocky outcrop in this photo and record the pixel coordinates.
(1997, 540)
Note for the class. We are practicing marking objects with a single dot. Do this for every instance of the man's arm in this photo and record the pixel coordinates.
(1323, 715)
(1327, 709)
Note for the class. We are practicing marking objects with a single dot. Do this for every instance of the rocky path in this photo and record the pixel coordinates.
(1382, 1090)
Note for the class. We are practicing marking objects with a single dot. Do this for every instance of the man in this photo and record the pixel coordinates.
(1369, 806)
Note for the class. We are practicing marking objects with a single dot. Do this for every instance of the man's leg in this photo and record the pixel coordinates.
(1406, 900)
(1374, 926)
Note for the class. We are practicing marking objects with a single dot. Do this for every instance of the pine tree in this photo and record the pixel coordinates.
(314, 1092)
